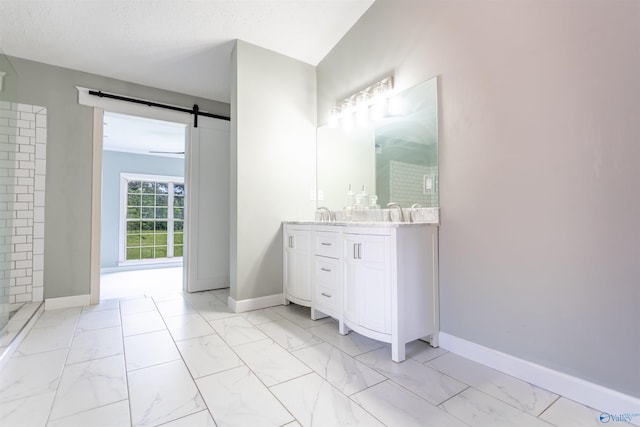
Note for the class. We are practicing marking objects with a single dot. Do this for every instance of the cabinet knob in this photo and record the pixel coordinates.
(325, 295)
(325, 244)
(325, 269)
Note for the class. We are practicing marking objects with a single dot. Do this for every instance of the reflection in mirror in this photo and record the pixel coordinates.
(395, 158)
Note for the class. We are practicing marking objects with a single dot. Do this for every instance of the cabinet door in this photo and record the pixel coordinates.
(351, 292)
(367, 278)
(375, 282)
(298, 263)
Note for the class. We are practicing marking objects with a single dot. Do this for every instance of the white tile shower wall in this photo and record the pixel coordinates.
(23, 139)
(407, 184)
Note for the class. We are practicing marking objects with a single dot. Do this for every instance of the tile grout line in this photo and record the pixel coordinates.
(88, 410)
(549, 406)
(64, 365)
(124, 356)
(455, 395)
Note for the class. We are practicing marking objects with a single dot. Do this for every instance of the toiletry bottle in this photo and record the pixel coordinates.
(362, 198)
(350, 198)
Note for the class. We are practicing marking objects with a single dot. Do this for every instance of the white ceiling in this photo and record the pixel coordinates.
(140, 135)
(178, 45)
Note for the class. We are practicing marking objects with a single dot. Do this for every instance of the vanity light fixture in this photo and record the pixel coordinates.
(367, 104)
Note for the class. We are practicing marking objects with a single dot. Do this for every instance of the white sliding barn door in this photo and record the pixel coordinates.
(206, 260)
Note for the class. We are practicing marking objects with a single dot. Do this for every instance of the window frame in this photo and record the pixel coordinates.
(125, 177)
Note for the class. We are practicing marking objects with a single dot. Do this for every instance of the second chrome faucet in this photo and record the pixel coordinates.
(326, 214)
(398, 207)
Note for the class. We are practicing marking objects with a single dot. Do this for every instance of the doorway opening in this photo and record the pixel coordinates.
(142, 207)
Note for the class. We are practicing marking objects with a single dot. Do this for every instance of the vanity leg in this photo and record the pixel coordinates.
(397, 351)
(342, 328)
(434, 339)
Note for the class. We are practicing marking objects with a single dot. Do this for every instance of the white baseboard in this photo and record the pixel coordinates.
(243, 305)
(67, 302)
(590, 394)
(137, 267)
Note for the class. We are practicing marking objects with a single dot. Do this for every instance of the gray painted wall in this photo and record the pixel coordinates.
(113, 164)
(273, 144)
(539, 106)
(69, 155)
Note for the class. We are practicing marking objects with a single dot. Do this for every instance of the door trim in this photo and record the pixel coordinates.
(100, 105)
(96, 204)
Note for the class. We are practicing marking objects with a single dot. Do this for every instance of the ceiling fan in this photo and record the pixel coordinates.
(166, 152)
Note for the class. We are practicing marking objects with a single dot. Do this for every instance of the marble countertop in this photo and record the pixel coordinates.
(381, 224)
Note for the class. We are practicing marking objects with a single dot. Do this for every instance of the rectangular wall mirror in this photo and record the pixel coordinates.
(395, 158)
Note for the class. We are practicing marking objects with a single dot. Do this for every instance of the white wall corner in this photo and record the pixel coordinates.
(67, 302)
(241, 306)
(590, 394)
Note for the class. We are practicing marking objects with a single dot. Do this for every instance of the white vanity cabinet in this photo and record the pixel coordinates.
(378, 279)
(297, 264)
(390, 284)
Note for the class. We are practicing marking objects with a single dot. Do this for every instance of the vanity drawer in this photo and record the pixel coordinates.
(327, 299)
(326, 272)
(327, 244)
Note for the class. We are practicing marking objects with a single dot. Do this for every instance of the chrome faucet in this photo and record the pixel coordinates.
(326, 213)
(397, 206)
(413, 207)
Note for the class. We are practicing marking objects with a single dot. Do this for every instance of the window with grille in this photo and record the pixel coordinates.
(152, 218)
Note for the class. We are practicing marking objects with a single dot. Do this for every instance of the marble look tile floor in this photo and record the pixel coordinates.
(186, 360)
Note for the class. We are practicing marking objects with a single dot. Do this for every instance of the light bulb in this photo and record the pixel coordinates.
(347, 114)
(379, 101)
(334, 116)
(362, 108)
